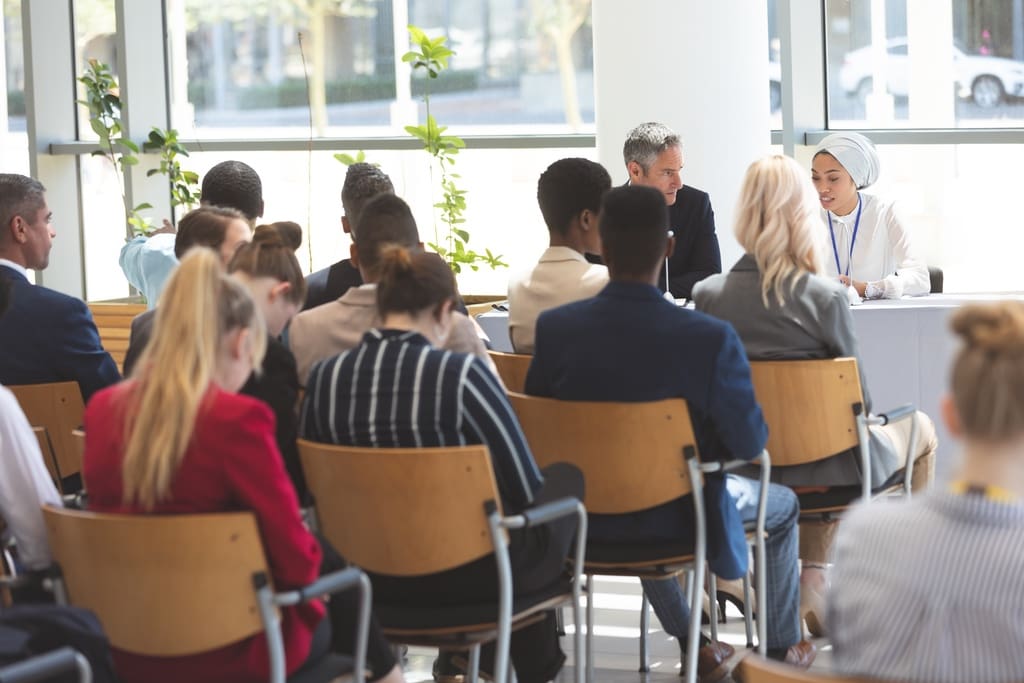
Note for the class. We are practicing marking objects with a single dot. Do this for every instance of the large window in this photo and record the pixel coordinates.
(13, 140)
(947, 63)
(291, 68)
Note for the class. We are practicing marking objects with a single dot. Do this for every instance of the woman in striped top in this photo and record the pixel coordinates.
(930, 590)
(397, 390)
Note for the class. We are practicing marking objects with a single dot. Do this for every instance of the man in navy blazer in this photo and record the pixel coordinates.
(45, 336)
(654, 157)
(629, 344)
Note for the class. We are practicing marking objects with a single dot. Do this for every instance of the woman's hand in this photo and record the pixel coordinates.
(856, 284)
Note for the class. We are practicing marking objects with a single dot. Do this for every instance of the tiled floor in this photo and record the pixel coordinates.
(616, 641)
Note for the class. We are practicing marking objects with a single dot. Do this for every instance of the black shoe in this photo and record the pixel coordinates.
(446, 670)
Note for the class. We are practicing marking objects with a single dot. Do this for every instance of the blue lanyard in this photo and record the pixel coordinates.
(835, 249)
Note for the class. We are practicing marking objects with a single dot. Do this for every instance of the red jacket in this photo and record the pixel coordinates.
(231, 464)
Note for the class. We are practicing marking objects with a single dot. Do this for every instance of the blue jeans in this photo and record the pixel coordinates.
(782, 579)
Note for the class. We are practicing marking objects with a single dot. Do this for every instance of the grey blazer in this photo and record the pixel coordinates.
(814, 321)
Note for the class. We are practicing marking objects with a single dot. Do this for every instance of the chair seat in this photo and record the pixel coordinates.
(323, 670)
(838, 498)
(665, 558)
(406, 619)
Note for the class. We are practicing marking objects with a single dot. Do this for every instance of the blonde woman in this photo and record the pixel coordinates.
(930, 590)
(176, 438)
(784, 309)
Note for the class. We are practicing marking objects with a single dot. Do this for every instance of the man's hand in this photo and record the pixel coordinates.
(167, 227)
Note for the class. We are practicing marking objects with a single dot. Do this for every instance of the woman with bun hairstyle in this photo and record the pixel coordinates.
(869, 245)
(397, 390)
(930, 589)
(784, 309)
(268, 268)
(177, 438)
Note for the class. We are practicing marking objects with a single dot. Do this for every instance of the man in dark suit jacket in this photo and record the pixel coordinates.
(654, 157)
(362, 183)
(629, 344)
(46, 336)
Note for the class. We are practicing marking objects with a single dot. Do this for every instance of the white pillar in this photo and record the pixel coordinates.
(699, 67)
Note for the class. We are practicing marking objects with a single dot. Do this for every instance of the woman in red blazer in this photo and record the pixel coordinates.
(177, 439)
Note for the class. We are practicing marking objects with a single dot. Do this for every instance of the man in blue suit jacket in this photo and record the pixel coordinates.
(629, 344)
(45, 336)
(654, 157)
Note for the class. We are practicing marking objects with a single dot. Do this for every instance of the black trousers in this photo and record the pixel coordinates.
(538, 558)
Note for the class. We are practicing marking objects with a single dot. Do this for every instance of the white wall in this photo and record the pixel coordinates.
(715, 95)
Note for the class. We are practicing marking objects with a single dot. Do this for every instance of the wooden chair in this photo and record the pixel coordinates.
(512, 368)
(815, 409)
(417, 511)
(114, 323)
(633, 456)
(754, 669)
(175, 585)
(57, 408)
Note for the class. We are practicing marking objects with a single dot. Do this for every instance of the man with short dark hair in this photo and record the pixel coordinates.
(653, 154)
(46, 336)
(337, 326)
(148, 261)
(569, 193)
(629, 344)
(362, 183)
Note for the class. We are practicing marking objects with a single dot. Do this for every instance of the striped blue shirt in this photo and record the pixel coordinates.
(930, 591)
(396, 390)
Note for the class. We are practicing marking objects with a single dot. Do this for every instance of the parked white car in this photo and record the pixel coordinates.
(988, 80)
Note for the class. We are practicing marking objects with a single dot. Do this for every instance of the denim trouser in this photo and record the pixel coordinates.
(783, 578)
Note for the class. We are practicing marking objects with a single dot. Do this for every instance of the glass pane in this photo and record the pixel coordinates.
(103, 229)
(774, 67)
(951, 63)
(13, 138)
(95, 38)
(239, 68)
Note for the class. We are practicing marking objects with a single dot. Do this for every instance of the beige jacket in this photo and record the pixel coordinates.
(338, 326)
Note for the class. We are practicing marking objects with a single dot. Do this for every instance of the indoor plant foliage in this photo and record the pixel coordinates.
(431, 55)
(103, 101)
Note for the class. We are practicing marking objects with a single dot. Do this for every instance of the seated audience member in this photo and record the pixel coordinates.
(219, 228)
(653, 153)
(569, 193)
(363, 397)
(783, 308)
(25, 484)
(45, 336)
(176, 438)
(340, 325)
(927, 590)
(268, 268)
(629, 344)
(871, 246)
(362, 183)
(147, 261)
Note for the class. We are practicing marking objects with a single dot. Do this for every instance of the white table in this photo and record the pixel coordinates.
(906, 349)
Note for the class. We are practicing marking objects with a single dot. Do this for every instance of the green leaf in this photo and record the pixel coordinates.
(129, 144)
(143, 205)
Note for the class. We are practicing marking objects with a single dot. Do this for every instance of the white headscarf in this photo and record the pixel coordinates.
(857, 155)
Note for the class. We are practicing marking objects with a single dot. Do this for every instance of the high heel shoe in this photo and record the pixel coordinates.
(812, 604)
(731, 591)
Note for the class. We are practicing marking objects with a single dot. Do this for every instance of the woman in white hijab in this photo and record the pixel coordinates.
(871, 249)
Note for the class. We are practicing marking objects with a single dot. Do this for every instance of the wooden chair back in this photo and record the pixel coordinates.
(512, 368)
(56, 407)
(808, 405)
(631, 454)
(756, 669)
(162, 585)
(46, 450)
(114, 323)
(402, 511)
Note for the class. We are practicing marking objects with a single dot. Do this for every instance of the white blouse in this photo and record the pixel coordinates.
(883, 255)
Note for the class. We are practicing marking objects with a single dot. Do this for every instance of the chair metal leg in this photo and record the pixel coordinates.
(560, 621)
(590, 628)
(645, 623)
(474, 664)
(713, 603)
(748, 611)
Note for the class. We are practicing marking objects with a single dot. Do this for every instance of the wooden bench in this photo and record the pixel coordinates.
(114, 322)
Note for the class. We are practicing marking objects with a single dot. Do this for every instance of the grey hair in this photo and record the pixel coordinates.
(362, 183)
(645, 142)
(19, 195)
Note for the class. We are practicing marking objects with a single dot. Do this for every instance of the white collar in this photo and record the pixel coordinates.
(16, 266)
(562, 254)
